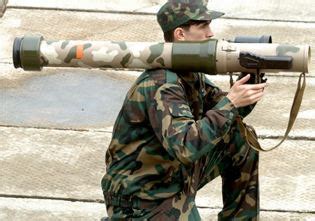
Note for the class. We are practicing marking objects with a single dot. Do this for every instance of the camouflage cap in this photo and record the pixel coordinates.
(177, 12)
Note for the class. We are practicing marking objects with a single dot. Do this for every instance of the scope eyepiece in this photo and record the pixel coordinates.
(253, 39)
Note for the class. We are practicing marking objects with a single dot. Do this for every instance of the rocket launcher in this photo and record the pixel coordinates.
(255, 55)
(245, 54)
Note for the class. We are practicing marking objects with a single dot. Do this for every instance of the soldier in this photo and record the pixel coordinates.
(178, 131)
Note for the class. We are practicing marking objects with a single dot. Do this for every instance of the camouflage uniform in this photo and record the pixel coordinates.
(175, 133)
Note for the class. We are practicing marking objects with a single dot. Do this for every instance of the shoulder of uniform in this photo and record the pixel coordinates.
(159, 76)
(209, 83)
(171, 77)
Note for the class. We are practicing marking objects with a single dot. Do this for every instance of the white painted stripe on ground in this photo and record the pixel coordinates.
(51, 207)
(268, 9)
(308, 114)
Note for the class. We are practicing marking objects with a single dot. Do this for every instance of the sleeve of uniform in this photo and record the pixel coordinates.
(244, 111)
(182, 136)
(215, 94)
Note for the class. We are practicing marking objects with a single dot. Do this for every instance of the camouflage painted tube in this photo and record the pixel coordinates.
(211, 56)
(3, 7)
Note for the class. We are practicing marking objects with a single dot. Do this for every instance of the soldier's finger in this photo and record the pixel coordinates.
(256, 97)
(243, 80)
(255, 86)
(251, 93)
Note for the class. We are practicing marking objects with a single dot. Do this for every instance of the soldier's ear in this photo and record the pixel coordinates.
(179, 34)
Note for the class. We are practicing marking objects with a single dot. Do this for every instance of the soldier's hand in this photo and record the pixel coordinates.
(242, 94)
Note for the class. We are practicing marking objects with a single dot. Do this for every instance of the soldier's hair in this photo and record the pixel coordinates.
(169, 35)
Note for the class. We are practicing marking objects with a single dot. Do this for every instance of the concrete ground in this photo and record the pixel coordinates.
(55, 125)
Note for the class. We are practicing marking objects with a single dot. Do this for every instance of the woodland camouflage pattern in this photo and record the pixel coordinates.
(174, 134)
(105, 54)
(177, 12)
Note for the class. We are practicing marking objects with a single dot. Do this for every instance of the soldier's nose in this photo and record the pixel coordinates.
(210, 34)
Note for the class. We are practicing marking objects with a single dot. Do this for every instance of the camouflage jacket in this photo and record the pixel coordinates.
(167, 122)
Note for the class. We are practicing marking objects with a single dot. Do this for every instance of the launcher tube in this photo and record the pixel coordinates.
(211, 56)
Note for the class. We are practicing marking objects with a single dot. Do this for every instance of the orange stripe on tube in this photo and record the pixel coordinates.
(79, 52)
